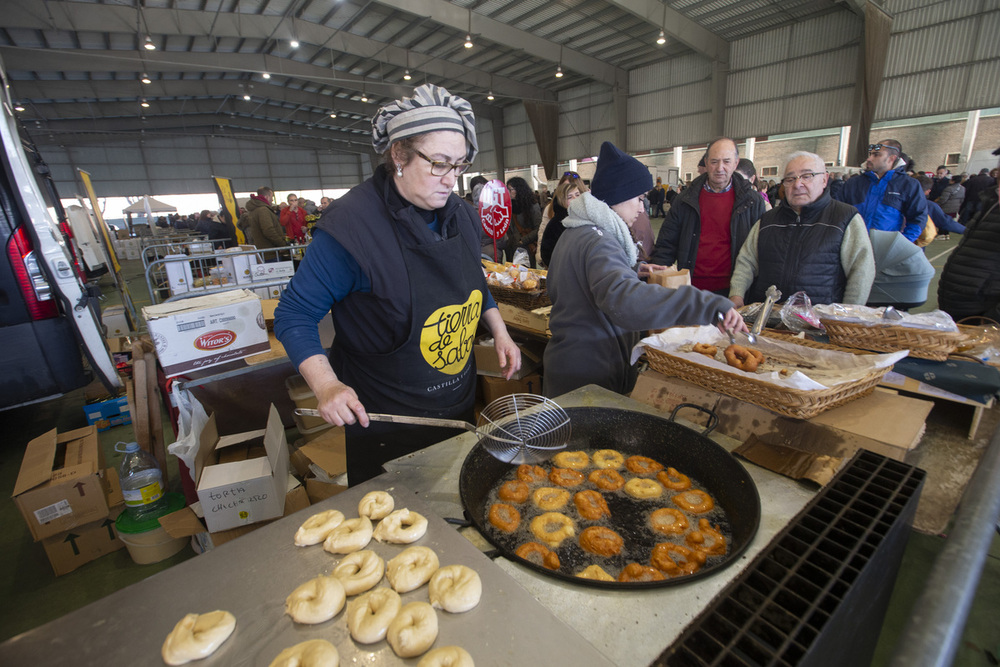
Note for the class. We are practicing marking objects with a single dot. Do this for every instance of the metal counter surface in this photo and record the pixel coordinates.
(632, 628)
(252, 576)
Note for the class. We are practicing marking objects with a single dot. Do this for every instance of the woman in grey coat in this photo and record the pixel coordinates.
(599, 304)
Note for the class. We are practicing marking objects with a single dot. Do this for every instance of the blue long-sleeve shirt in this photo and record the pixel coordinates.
(945, 223)
(326, 275)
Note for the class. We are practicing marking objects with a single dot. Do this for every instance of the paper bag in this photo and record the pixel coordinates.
(670, 277)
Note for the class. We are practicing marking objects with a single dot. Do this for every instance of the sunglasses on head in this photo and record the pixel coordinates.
(571, 174)
(874, 148)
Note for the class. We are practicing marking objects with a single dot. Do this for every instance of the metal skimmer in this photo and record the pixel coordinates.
(518, 428)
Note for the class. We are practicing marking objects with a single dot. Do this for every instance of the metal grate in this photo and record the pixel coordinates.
(817, 594)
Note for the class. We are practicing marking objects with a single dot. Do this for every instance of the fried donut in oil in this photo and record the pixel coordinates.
(572, 460)
(638, 572)
(694, 500)
(549, 498)
(705, 348)
(608, 458)
(565, 477)
(531, 474)
(539, 554)
(743, 358)
(641, 488)
(673, 480)
(601, 541)
(607, 479)
(676, 559)
(514, 491)
(595, 572)
(706, 539)
(668, 521)
(505, 517)
(643, 465)
(591, 505)
(552, 528)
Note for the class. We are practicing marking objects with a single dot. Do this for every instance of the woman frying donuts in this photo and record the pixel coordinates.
(396, 262)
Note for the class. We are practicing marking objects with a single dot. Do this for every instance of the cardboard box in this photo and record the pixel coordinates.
(206, 331)
(238, 268)
(60, 486)
(115, 322)
(273, 271)
(533, 320)
(270, 292)
(246, 491)
(72, 549)
(112, 412)
(488, 364)
(882, 422)
(179, 278)
(494, 388)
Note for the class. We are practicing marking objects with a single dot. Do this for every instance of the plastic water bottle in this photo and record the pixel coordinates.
(141, 482)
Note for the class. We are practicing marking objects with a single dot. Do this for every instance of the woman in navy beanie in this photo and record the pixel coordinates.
(599, 304)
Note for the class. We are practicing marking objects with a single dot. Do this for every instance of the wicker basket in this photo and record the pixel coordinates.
(789, 402)
(524, 299)
(922, 343)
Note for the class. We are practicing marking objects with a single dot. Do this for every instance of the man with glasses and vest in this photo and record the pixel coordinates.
(814, 244)
(884, 195)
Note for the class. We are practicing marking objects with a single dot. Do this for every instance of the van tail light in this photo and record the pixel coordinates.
(67, 232)
(31, 279)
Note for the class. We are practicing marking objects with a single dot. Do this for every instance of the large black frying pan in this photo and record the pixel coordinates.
(691, 452)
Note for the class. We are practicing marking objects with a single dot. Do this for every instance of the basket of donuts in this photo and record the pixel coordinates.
(786, 375)
(932, 335)
(517, 285)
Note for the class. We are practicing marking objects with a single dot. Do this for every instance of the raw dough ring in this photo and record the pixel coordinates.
(317, 527)
(743, 358)
(504, 517)
(376, 505)
(571, 460)
(316, 601)
(197, 636)
(455, 588)
(413, 630)
(608, 458)
(549, 498)
(350, 536)
(359, 571)
(552, 528)
(401, 527)
(447, 656)
(673, 480)
(705, 348)
(639, 487)
(412, 568)
(311, 653)
(369, 615)
(694, 500)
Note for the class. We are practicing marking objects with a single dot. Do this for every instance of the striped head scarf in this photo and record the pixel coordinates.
(432, 108)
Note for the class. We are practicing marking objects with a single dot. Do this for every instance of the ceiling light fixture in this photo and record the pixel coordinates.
(662, 39)
(468, 42)
(468, 35)
(145, 79)
(490, 96)
(148, 44)
(247, 97)
(406, 75)
(143, 103)
(18, 106)
(333, 114)
(294, 44)
(266, 75)
(559, 72)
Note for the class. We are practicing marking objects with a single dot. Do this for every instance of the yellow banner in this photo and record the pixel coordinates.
(224, 188)
(85, 177)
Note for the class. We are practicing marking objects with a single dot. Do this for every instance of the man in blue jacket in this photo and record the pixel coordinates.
(884, 195)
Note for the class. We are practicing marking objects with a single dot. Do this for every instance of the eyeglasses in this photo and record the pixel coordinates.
(442, 168)
(806, 178)
(875, 148)
(571, 174)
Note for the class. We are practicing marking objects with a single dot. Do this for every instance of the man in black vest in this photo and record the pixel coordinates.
(815, 244)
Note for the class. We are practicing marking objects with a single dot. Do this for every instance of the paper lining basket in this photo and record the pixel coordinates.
(922, 343)
(524, 299)
(789, 402)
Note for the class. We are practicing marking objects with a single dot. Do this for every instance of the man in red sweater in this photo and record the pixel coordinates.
(293, 219)
(708, 222)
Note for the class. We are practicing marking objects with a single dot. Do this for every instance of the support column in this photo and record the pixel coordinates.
(845, 145)
(968, 140)
(720, 72)
(678, 157)
(497, 122)
(749, 148)
(871, 70)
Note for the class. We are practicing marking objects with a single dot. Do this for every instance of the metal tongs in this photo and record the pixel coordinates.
(772, 295)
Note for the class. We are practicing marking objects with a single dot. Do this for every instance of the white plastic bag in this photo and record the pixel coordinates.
(521, 257)
(191, 418)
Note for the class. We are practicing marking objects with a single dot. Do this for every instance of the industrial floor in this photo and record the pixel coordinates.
(33, 595)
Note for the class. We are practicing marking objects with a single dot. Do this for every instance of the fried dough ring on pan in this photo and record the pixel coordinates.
(514, 491)
(608, 458)
(607, 479)
(552, 528)
(643, 465)
(591, 505)
(531, 474)
(565, 477)
(601, 541)
(673, 480)
(676, 559)
(668, 521)
(539, 554)
(505, 517)
(638, 572)
(694, 500)
(549, 498)
(706, 539)
(572, 460)
(642, 488)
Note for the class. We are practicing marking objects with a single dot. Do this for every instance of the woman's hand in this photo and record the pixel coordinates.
(732, 320)
(508, 354)
(339, 405)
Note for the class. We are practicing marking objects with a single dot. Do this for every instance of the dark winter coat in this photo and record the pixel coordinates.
(970, 281)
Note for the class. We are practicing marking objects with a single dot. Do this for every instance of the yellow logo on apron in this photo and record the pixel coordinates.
(447, 337)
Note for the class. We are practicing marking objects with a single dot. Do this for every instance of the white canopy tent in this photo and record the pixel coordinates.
(155, 205)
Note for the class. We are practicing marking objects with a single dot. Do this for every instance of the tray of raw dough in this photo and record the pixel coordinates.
(796, 379)
(251, 577)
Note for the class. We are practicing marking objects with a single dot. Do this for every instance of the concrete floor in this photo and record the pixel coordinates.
(33, 595)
